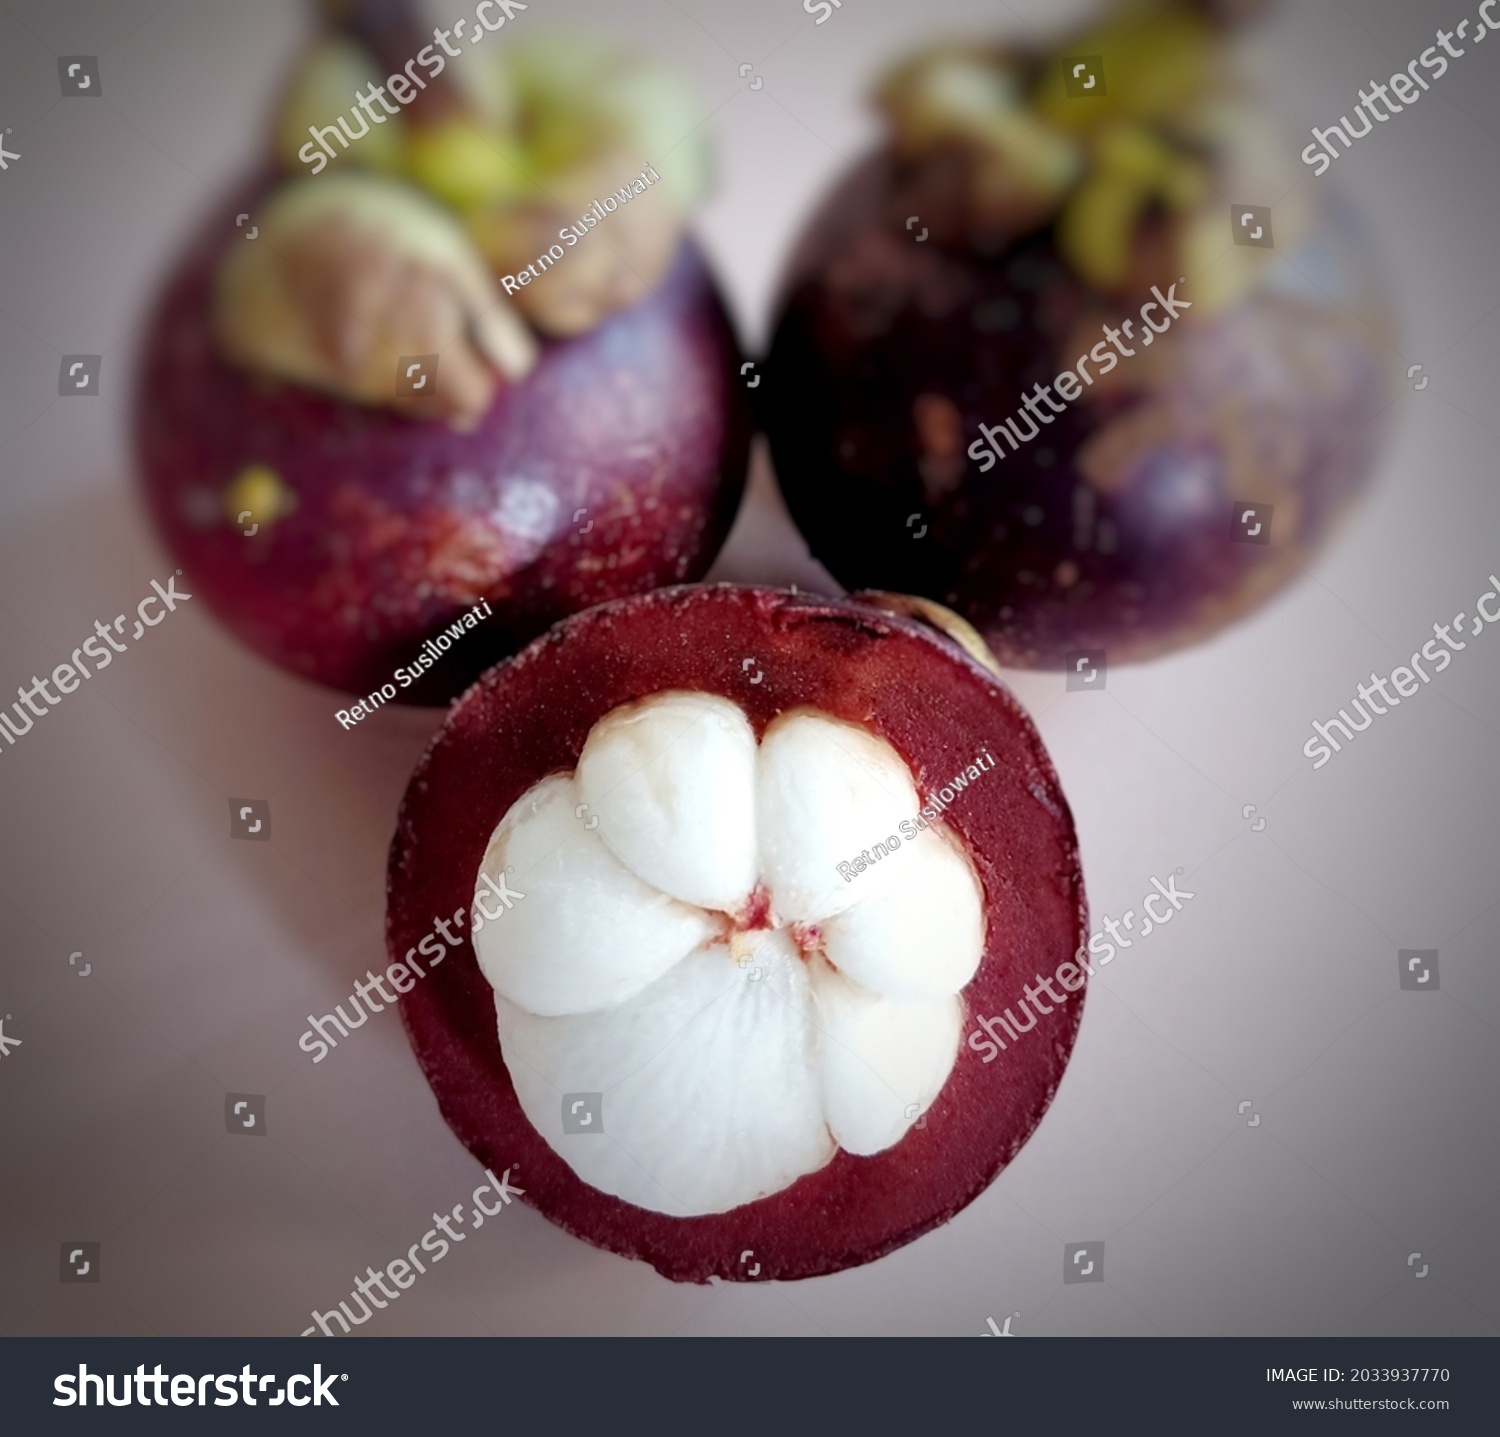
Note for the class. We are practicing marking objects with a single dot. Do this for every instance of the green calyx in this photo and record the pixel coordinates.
(1094, 164)
(517, 120)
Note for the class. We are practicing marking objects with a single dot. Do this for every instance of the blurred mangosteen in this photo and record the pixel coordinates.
(477, 359)
(1080, 351)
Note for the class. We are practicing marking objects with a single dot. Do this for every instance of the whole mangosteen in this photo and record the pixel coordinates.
(1078, 352)
(462, 361)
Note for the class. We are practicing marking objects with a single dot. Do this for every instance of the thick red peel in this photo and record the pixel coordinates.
(530, 717)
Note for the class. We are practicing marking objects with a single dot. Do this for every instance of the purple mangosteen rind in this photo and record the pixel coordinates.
(1040, 559)
(394, 524)
(529, 717)
(1046, 214)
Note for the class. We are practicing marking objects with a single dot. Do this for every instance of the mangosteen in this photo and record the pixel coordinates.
(463, 351)
(1079, 351)
(743, 872)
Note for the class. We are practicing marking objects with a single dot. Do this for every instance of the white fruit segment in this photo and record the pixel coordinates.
(931, 905)
(704, 1076)
(882, 1063)
(673, 783)
(589, 934)
(826, 790)
(654, 959)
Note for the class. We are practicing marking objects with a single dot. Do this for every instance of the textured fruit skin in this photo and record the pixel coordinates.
(888, 354)
(403, 524)
(940, 710)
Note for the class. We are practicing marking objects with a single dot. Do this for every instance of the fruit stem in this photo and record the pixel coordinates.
(934, 616)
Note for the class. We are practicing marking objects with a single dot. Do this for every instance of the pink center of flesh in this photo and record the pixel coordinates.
(740, 931)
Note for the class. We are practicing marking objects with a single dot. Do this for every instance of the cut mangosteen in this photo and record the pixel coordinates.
(725, 939)
(358, 423)
(1106, 516)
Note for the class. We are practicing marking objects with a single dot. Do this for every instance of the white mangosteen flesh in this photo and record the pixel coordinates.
(679, 938)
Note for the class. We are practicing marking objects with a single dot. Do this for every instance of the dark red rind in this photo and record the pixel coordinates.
(940, 710)
(644, 422)
(1275, 400)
